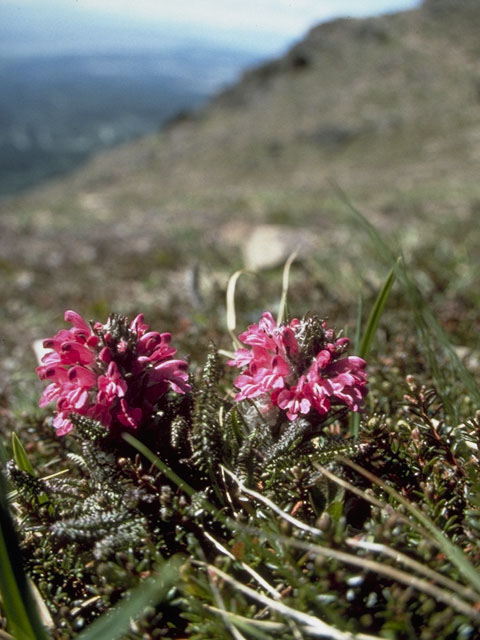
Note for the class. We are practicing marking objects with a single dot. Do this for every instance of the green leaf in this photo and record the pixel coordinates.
(24, 464)
(115, 624)
(335, 509)
(364, 344)
(375, 315)
(20, 455)
(18, 604)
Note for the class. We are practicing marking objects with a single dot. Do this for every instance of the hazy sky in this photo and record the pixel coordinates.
(254, 23)
(288, 17)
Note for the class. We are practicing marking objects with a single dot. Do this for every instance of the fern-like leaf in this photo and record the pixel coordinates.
(205, 438)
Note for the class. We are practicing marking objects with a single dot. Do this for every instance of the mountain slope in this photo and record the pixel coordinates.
(353, 96)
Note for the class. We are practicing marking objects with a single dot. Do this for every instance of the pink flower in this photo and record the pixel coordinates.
(172, 373)
(138, 326)
(295, 400)
(62, 424)
(268, 335)
(265, 373)
(266, 364)
(78, 322)
(111, 385)
(344, 381)
(296, 378)
(128, 416)
(114, 373)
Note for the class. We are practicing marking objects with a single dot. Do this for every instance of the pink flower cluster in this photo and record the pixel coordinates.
(280, 368)
(114, 373)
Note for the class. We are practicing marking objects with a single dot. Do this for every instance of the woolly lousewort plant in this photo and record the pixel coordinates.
(298, 367)
(114, 373)
(251, 491)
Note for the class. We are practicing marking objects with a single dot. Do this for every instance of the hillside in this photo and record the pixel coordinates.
(58, 110)
(387, 109)
(300, 492)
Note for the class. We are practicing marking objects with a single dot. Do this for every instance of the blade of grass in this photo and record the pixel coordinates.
(23, 463)
(256, 576)
(164, 468)
(440, 594)
(115, 624)
(264, 625)
(230, 306)
(463, 591)
(43, 611)
(431, 333)
(387, 508)
(261, 498)
(425, 586)
(217, 596)
(431, 337)
(382, 248)
(371, 327)
(452, 551)
(314, 626)
(20, 455)
(419, 567)
(383, 569)
(375, 315)
(17, 600)
(286, 275)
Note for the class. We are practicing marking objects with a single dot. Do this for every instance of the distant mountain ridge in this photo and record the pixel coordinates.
(376, 74)
(391, 100)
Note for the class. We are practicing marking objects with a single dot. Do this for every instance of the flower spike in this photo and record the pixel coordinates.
(113, 373)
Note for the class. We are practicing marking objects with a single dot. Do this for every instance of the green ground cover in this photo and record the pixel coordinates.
(374, 535)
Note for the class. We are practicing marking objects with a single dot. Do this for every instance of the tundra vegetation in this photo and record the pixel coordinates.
(238, 468)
